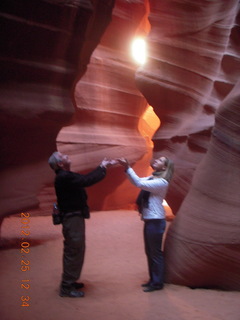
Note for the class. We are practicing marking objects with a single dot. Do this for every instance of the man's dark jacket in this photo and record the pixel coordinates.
(69, 186)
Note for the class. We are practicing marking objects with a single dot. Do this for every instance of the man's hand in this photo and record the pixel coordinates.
(106, 163)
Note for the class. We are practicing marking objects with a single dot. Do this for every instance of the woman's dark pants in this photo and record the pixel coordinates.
(153, 234)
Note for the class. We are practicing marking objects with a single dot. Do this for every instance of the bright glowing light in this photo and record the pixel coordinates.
(139, 50)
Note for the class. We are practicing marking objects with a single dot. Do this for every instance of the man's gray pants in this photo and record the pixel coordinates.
(74, 250)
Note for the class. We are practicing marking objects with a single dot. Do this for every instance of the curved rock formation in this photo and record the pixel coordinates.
(192, 53)
(108, 108)
(193, 65)
(42, 63)
(46, 46)
(203, 243)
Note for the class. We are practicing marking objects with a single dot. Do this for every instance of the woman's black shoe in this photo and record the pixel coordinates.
(151, 289)
(146, 284)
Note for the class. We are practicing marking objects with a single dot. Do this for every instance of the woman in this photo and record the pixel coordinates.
(153, 192)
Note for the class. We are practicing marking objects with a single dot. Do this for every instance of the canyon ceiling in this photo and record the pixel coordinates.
(68, 82)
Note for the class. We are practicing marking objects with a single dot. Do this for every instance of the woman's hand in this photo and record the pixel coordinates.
(124, 162)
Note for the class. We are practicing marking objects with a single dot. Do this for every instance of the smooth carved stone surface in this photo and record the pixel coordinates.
(108, 104)
(108, 109)
(46, 46)
(203, 243)
(193, 65)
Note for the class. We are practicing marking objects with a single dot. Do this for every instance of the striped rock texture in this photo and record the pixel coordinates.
(67, 81)
(108, 109)
(45, 47)
(203, 243)
(191, 80)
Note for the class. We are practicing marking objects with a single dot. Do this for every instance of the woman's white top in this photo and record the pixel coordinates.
(157, 188)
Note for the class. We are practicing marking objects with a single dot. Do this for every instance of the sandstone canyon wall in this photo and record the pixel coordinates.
(45, 47)
(108, 108)
(203, 243)
(50, 98)
(193, 65)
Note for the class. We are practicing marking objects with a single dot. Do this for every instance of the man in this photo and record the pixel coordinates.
(72, 203)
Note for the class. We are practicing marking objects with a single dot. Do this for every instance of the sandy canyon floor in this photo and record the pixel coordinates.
(114, 268)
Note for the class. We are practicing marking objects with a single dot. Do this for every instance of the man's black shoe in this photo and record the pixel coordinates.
(79, 285)
(151, 289)
(72, 294)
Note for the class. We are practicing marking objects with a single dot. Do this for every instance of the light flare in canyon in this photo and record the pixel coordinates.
(139, 50)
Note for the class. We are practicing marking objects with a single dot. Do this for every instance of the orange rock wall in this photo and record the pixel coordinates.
(203, 243)
(193, 64)
(45, 48)
(191, 80)
(68, 81)
(108, 109)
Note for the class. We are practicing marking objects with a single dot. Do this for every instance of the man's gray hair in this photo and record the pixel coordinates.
(54, 160)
